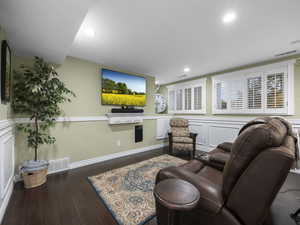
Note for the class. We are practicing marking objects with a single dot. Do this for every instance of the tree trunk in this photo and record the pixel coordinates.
(36, 138)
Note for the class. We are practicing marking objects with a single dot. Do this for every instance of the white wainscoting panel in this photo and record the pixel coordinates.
(7, 164)
(162, 128)
(219, 134)
(213, 132)
(200, 129)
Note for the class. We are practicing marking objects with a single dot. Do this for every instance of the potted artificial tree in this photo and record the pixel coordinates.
(37, 93)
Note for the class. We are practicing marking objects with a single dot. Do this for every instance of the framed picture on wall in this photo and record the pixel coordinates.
(5, 72)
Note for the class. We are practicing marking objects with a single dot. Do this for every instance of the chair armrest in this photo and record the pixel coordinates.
(210, 193)
(219, 157)
(216, 160)
(226, 146)
(193, 135)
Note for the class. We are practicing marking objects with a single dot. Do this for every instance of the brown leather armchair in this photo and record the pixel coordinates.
(180, 138)
(241, 194)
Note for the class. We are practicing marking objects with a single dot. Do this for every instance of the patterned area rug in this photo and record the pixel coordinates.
(128, 191)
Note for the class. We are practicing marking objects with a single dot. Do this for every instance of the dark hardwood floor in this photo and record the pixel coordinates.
(68, 198)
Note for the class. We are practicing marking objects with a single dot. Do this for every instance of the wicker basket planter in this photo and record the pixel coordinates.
(35, 178)
(34, 173)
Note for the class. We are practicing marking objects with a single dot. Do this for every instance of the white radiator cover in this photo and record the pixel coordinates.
(162, 128)
(58, 165)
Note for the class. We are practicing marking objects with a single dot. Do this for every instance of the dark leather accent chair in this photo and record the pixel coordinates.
(180, 138)
(241, 194)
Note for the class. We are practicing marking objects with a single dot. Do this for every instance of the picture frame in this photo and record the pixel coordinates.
(5, 72)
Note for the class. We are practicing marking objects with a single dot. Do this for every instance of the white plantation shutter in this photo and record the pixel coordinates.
(197, 98)
(171, 100)
(188, 98)
(179, 99)
(275, 91)
(262, 90)
(221, 93)
(254, 92)
(237, 94)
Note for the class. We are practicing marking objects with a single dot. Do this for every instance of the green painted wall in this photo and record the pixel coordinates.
(163, 89)
(84, 140)
(5, 112)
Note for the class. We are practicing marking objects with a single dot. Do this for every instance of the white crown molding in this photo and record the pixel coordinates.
(192, 119)
(90, 118)
(230, 120)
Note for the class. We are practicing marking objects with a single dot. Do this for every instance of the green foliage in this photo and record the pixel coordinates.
(110, 86)
(37, 93)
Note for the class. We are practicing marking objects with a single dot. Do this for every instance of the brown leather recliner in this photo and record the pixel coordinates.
(243, 192)
(218, 157)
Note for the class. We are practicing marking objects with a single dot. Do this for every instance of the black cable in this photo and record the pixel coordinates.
(296, 217)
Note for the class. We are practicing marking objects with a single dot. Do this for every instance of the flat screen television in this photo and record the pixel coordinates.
(122, 89)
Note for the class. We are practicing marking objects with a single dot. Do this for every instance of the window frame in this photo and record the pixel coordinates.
(186, 85)
(286, 67)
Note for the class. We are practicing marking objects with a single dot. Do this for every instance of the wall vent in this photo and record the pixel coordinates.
(295, 42)
(58, 165)
(286, 53)
(183, 76)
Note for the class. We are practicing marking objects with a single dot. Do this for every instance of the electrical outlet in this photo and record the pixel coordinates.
(118, 143)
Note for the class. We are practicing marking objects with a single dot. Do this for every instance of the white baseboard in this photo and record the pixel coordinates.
(6, 199)
(91, 161)
(114, 156)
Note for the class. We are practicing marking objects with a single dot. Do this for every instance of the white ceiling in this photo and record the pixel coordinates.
(157, 37)
(42, 27)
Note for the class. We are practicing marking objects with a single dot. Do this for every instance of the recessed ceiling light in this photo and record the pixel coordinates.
(89, 32)
(229, 17)
(186, 70)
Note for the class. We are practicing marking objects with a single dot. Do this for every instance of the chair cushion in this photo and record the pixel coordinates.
(180, 131)
(182, 147)
(178, 122)
(193, 166)
(182, 140)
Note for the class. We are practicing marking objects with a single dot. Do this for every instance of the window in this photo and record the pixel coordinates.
(198, 98)
(171, 98)
(187, 98)
(190, 97)
(275, 91)
(237, 95)
(179, 100)
(254, 91)
(221, 95)
(262, 90)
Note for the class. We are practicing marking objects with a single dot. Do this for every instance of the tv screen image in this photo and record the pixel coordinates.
(122, 89)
